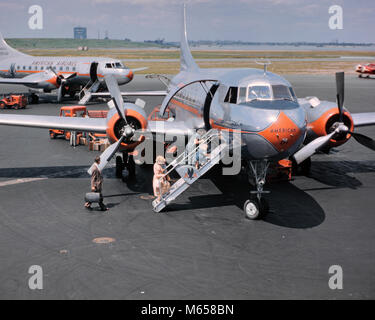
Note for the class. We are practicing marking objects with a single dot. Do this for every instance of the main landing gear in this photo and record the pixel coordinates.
(126, 161)
(257, 206)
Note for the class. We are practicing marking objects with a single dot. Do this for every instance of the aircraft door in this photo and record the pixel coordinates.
(12, 70)
(94, 71)
(207, 105)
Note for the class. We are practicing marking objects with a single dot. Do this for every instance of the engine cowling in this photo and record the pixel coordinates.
(321, 118)
(135, 116)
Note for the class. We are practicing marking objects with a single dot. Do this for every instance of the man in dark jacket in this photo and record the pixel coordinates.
(97, 184)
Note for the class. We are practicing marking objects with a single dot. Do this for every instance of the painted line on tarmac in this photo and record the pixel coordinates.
(53, 175)
(18, 181)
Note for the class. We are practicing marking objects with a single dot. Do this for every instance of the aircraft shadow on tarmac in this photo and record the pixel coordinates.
(289, 206)
(336, 173)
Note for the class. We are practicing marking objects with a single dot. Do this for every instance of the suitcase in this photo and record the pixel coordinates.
(93, 197)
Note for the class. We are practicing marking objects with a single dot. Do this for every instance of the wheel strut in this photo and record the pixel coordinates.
(257, 205)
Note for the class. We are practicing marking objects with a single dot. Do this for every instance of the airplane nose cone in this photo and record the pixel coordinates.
(283, 133)
(129, 75)
(279, 140)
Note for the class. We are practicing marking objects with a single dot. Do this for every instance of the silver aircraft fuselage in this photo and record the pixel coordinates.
(85, 68)
(272, 124)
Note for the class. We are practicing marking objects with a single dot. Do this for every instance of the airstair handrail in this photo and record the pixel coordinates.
(206, 138)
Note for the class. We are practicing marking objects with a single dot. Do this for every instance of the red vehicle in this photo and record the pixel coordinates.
(13, 102)
(68, 111)
(365, 69)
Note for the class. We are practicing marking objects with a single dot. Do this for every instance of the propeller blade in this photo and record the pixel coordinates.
(308, 150)
(114, 90)
(59, 93)
(107, 155)
(364, 140)
(71, 76)
(53, 70)
(340, 89)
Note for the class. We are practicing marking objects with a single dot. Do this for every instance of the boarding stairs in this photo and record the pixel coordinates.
(188, 173)
(87, 91)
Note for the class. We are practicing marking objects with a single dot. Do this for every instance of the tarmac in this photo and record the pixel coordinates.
(202, 247)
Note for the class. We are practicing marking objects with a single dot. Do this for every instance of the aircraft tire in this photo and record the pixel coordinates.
(255, 209)
(131, 167)
(119, 166)
(252, 209)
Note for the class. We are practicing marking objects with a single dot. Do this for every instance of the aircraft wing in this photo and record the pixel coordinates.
(363, 119)
(173, 128)
(132, 94)
(30, 79)
(52, 122)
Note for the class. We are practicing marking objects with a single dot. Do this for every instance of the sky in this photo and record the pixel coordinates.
(245, 20)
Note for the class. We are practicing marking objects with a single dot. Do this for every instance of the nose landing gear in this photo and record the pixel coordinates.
(257, 206)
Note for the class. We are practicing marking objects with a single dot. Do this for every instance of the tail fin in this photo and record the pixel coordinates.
(186, 59)
(8, 52)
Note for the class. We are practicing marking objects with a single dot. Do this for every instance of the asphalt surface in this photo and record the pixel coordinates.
(202, 247)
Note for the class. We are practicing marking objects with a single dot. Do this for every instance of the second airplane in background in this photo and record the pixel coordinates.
(67, 75)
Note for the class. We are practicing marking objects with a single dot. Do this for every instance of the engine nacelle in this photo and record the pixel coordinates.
(135, 116)
(321, 117)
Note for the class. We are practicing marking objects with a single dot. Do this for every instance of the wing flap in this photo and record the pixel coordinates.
(173, 128)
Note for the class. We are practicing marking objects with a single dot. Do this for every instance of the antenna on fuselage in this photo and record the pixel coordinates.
(265, 63)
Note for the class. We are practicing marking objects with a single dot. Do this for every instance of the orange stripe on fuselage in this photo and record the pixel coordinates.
(70, 72)
(186, 107)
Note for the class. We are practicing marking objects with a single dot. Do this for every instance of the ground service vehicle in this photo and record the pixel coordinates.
(68, 111)
(13, 102)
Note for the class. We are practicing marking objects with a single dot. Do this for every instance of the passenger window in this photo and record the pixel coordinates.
(29, 67)
(61, 68)
(24, 68)
(108, 65)
(231, 96)
(41, 68)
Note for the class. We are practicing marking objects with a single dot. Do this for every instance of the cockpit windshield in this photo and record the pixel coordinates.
(258, 92)
(116, 65)
(119, 65)
(281, 92)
